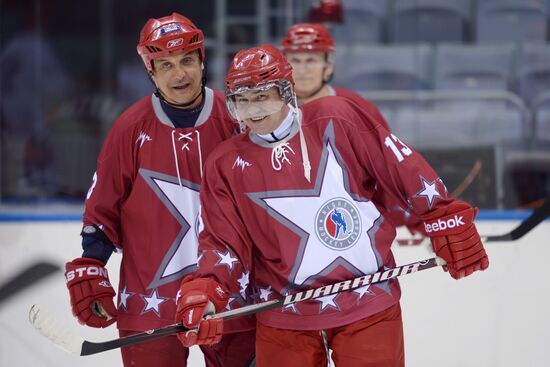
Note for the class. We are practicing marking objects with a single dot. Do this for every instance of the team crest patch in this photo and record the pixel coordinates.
(338, 224)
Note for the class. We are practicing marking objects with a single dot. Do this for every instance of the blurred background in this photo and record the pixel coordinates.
(461, 81)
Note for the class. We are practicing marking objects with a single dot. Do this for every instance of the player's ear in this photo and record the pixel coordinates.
(329, 66)
(329, 61)
(151, 72)
(327, 71)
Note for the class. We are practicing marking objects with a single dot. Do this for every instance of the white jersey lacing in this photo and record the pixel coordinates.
(185, 147)
(280, 150)
(186, 137)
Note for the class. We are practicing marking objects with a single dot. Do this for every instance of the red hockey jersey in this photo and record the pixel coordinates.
(269, 232)
(369, 108)
(145, 197)
(397, 213)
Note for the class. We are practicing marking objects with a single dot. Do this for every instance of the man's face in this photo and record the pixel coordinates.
(308, 70)
(261, 110)
(179, 77)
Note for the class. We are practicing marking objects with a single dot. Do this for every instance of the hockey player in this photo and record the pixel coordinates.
(290, 206)
(144, 200)
(309, 48)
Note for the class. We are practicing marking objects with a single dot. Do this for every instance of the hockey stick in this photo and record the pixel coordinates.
(66, 340)
(26, 277)
(459, 190)
(537, 216)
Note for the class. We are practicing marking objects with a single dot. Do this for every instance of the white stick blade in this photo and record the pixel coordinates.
(45, 324)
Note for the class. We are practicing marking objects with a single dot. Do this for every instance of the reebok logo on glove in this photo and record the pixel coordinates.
(90, 270)
(442, 225)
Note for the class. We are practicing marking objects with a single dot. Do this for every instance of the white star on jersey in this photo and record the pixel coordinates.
(316, 259)
(265, 293)
(243, 282)
(153, 302)
(291, 307)
(226, 259)
(184, 199)
(228, 306)
(327, 301)
(124, 295)
(362, 291)
(429, 191)
(183, 203)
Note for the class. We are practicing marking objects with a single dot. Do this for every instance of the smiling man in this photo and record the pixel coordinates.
(144, 200)
(175, 85)
(291, 203)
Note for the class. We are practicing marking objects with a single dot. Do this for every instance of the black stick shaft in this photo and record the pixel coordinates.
(26, 278)
(310, 294)
(89, 348)
(538, 215)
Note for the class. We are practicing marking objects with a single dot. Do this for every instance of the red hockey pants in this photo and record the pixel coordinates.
(234, 350)
(376, 341)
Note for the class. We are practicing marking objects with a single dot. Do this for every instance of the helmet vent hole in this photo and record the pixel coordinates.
(194, 39)
(153, 49)
(268, 73)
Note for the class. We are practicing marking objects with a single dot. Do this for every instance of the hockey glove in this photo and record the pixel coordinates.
(455, 238)
(198, 298)
(416, 225)
(91, 292)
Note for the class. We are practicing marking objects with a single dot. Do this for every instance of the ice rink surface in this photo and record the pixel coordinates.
(495, 318)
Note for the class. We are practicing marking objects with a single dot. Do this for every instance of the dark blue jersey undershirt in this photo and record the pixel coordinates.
(182, 118)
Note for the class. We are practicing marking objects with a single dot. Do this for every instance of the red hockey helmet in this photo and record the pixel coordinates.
(166, 36)
(256, 66)
(261, 67)
(308, 37)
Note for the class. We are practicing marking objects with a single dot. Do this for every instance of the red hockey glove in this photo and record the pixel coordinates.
(196, 299)
(416, 225)
(91, 292)
(455, 239)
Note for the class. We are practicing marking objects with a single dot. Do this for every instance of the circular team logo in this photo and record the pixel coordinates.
(338, 224)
